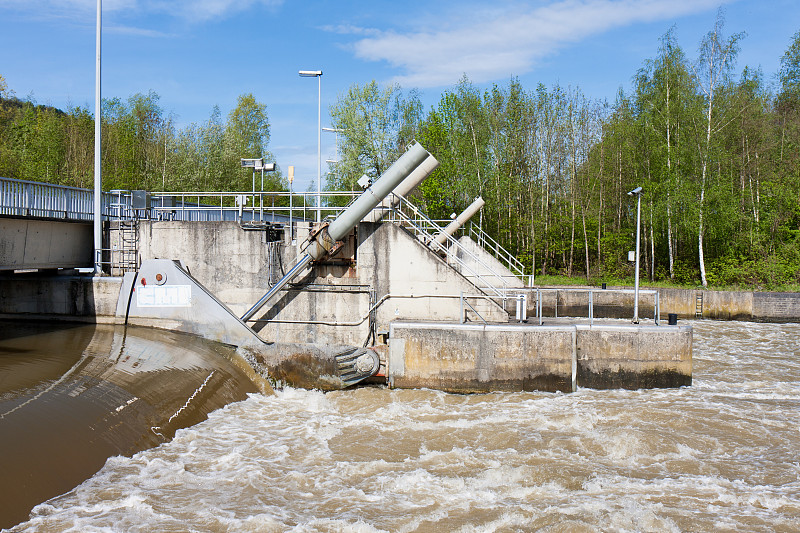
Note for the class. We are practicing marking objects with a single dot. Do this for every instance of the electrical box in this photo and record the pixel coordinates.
(140, 200)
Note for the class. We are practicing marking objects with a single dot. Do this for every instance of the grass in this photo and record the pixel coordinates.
(553, 280)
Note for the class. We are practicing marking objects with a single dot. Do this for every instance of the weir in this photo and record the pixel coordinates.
(379, 293)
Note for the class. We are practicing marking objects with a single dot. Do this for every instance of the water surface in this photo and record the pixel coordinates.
(721, 455)
(73, 395)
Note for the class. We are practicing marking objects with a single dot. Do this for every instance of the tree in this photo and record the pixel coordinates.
(246, 135)
(716, 59)
(665, 94)
(375, 126)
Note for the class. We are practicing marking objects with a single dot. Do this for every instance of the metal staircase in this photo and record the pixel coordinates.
(505, 257)
(425, 230)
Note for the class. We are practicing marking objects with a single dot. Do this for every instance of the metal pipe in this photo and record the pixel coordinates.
(403, 189)
(371, 197)
(320, 243)
(300, 265)
(459, 221)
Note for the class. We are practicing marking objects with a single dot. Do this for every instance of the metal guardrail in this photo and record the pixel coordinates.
(245, 206)
(34, 199)
(499, 252)
(44, 200)
(426, 230)
(514, 293)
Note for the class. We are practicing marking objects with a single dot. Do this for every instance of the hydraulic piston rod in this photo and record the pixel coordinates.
(460, 220)
(406, 186)
(321, 242)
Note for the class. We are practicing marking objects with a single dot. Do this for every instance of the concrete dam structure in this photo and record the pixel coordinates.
(365, 297)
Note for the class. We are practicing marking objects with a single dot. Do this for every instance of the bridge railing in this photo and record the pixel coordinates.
(35, 199)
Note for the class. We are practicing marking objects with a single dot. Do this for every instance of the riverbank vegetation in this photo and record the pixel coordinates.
(715, 147)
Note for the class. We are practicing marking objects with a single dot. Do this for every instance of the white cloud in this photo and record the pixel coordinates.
(496, 45)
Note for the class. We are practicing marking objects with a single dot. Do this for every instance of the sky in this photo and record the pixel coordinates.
(196, 54)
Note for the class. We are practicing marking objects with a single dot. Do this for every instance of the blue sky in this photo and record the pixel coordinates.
(199, 53)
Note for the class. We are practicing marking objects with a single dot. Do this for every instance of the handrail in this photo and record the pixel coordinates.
(425, 229)
(46, 200)
(497, 250)
(513, 292)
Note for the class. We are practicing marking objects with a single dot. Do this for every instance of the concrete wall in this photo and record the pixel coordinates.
(717, 305)
(65, 297)
(230, 262)
(330, 302)
(30, 243)
(776, 306)
(422, 285)
(733, 305)
(633, 357)
(472, 358)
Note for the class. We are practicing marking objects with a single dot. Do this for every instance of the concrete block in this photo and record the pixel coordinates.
(634, 357)
(472, 358)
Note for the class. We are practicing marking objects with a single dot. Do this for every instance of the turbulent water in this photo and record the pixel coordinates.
(721, 455)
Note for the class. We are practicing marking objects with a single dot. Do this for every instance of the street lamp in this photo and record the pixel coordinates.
(98, 191)
(637, 192)
(317, 74)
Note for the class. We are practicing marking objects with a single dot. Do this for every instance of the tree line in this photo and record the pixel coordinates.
(141, 146)
(714, 150)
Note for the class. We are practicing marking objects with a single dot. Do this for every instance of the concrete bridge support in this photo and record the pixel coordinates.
(29, 243)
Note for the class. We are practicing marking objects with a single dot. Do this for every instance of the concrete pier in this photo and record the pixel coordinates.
(482, 358)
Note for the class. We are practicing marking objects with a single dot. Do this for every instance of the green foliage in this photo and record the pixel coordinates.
(141, 147)
(375, 125)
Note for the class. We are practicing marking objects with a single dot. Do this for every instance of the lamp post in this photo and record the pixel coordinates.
(637, 192)
(317, 74)
(98, 192)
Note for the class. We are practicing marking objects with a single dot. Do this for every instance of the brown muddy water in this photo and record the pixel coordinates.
(721, 455)
(73, 396)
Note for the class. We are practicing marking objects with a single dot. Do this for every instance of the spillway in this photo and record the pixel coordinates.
(71, 396)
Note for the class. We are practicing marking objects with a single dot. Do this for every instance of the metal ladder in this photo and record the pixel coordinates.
(127, 254)
(698, 304)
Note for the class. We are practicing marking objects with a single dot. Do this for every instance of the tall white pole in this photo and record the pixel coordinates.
(319, 148)
(98, 221)
(636, 279)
